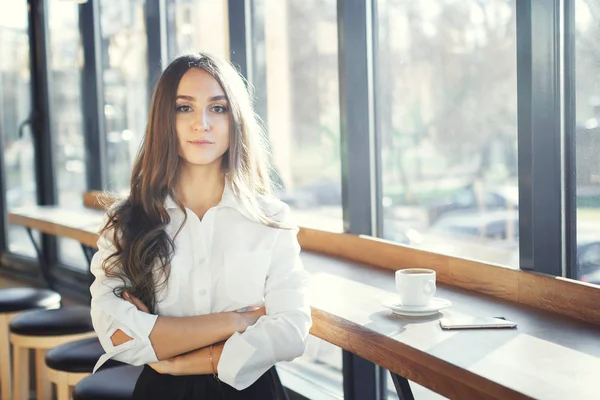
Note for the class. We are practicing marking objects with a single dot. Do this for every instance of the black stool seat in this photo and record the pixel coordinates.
(78, 356)
(69, 320)
(21, 299)
(109, 384)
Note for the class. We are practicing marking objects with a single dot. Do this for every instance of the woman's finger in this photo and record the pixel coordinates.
(160, 367)
(140, 306)
(136, 302)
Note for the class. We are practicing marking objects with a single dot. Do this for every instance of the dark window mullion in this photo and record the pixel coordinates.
(40, 81)
(93, 96)
(356, 119)
(240, 29)
(359, 145)
(569, 141)
(540, 136)
(42, 135)
(376, 151)
(156, 31)
(259, 58)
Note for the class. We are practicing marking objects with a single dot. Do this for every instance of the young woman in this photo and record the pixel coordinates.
(198, 273)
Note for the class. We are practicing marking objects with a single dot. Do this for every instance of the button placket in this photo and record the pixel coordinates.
(203, 272)
(199, 271)
(204, 262)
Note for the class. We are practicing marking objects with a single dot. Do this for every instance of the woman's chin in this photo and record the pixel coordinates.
(202, 161)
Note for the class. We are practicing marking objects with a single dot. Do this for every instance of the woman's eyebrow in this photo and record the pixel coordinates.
(192, 98)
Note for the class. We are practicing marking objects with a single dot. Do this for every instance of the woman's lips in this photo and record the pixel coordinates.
(201, 142)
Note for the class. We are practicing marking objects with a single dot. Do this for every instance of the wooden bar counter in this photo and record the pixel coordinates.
(554, 353)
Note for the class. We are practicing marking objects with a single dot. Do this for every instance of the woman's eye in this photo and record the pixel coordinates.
(220, 109)
(184, 108)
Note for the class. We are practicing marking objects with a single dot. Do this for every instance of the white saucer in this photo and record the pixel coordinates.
(435, 305)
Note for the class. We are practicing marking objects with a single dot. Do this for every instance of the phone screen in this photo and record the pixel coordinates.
(475, 323)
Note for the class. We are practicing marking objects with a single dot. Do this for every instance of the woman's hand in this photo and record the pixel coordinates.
(136, 302)
(249, 318)
(163, 367)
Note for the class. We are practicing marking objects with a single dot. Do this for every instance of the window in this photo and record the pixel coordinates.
(197, 25)
(296, 83)
(125, 79)
(587, 139)
(66, 121)
(298, 41)
(446, 103)
(15, 108)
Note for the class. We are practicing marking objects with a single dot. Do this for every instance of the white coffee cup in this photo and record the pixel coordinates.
(416, 286)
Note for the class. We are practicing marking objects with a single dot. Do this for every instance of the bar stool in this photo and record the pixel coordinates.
(41, 331)
(71, 362)
(14, 301)
(109, 384)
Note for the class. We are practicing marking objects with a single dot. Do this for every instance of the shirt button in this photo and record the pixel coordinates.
(202, 292)
(201, 260)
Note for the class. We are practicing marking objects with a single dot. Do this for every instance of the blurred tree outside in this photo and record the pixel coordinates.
(447, 94)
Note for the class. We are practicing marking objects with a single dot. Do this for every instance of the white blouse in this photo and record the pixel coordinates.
(225, 262)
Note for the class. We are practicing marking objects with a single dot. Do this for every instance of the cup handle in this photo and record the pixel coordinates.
(430, 288)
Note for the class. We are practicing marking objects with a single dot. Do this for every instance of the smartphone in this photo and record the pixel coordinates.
(476, 323)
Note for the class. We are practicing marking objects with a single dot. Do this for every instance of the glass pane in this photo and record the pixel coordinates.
(447, 112)
(296, 82)
(66, 120)
(299, 43)
(15, 106)
(587, 142)
(197, 25)
(125, 79)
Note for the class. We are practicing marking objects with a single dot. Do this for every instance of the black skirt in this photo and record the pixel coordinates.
(154, 386)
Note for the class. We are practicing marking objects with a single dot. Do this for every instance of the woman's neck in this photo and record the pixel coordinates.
(200, 187)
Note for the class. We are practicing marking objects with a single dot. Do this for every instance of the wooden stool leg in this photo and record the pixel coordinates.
(63, 391)
(20, 372)
(5, 380)
(43, 386)
(60, 379)
(40, 344)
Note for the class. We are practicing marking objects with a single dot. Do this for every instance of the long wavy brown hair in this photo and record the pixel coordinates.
(143, 249)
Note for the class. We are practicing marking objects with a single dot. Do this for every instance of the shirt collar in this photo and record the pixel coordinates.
(228, 199)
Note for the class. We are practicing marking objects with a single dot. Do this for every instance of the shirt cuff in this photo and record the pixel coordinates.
(235, 355)
(146, 323)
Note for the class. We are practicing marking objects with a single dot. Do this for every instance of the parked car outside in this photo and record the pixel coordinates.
(468, 231)
(472, 199)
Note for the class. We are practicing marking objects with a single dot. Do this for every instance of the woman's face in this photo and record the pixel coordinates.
(201, 119)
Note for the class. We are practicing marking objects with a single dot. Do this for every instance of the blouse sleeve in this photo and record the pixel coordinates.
(111, 313)
(280, 335)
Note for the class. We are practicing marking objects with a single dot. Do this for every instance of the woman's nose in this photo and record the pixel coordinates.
(201, 122)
